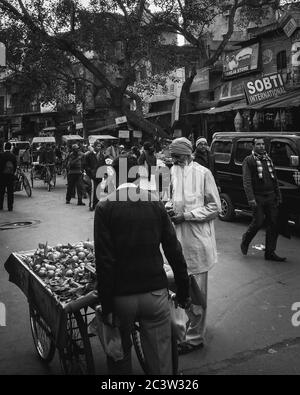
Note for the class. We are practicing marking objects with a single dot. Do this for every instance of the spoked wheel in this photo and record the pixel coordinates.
(136, 339)
(41, 334)
(76, 357)
(31, 177)
(27, 186)
(227, 208)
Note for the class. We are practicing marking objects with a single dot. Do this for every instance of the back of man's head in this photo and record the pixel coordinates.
(126, 169)
(7, 146)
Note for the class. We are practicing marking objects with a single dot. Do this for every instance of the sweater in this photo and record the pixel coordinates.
(127, 236)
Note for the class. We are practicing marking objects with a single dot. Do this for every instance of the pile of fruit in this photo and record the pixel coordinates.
(68, 270)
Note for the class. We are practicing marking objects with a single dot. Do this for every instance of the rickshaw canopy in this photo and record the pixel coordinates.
(44, 139)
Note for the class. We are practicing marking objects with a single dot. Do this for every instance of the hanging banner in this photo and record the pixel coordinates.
(264, 88)
(201, 80)
(137, 134)
(2, 55)
(120, 120)
(242, 61)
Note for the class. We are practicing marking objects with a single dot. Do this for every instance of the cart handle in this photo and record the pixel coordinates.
(89, 300)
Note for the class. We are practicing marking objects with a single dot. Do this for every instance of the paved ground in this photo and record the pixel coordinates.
(250, 300)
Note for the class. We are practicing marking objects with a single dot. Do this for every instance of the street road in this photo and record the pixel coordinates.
(250, 300)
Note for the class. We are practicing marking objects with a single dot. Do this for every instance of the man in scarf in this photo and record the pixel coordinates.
(263, 194)
(195, 205)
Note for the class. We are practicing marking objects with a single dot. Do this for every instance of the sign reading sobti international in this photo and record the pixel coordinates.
(264, 88)
(244, 60)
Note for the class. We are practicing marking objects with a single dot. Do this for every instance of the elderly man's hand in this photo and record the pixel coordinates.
(178, 219)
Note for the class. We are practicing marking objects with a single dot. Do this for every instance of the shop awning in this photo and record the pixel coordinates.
(71, 137)
(112, 126)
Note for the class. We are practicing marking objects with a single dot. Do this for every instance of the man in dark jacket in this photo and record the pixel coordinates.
(204, 157)
(8, 166)
(129, 228)
(94, 159)
(263, 194)
(74, 169)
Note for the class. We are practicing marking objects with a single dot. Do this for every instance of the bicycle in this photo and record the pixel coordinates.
(21, 182)
(45, 172)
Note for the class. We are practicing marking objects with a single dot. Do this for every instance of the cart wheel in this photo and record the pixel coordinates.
(41, 334)
(136, 339)
(31, 177)
(77, 358)
(27, 186)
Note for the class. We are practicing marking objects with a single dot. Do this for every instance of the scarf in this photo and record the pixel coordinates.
(258, 159)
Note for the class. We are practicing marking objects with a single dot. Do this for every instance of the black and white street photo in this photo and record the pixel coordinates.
(149, 190)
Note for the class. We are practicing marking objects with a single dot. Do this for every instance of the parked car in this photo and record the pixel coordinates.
(230, 150)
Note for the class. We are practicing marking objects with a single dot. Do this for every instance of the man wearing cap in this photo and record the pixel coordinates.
(204, 157)
(195, 205)
(74, 169)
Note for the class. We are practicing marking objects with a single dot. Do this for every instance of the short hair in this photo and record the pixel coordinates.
(257, 138)
(130, 161)
(7, 146)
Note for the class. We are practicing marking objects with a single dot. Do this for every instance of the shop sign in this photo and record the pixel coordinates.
(201, 80)
(124, 134)
(264, 88)
(137, 134)
(120, 120)
(290, 27)
(242, 61)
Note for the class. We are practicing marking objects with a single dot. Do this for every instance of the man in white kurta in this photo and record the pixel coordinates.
(195, 204)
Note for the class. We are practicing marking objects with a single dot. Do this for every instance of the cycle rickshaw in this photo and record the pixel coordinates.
(45, 172)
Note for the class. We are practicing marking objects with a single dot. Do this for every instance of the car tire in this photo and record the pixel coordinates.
(228, 211)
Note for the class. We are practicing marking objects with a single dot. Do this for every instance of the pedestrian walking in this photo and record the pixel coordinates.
(26, 158)
(147, 162)
(8, 166)
(264, 197)
(195, 204)
(94, 159)
(74, 173)
(132, 283)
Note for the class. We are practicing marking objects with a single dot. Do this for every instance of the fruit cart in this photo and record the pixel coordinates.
(61, 315)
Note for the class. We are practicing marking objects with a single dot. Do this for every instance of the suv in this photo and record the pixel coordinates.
(230, 150)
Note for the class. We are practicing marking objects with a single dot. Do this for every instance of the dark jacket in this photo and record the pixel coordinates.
(253, 185)
(207, 160)
(47, 156)
(127, 238)
(8, 163)
(92, 162)
(74, 163)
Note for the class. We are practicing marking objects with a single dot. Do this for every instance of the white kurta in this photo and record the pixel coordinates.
(195, 194)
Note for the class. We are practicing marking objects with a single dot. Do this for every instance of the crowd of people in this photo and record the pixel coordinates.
(131, 266)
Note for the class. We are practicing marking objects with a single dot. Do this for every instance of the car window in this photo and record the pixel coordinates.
(280, 153)
(243, 149)
(222, 151)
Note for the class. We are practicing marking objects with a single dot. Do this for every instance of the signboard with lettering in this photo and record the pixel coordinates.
(264, 88)
(124, 134)
(137, 134)
(2, 55)
(290, 27)
(242, 61)
(120, 120)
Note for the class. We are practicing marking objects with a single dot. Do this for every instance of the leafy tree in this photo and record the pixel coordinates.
(50, 42)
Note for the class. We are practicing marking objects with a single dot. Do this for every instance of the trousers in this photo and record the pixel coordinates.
(191, 323)
(74, 180)
(266, 209)
(7, 184)
(151, 310)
